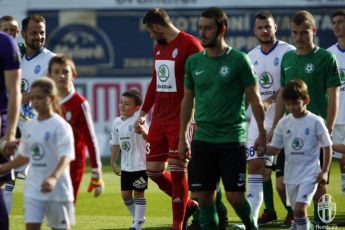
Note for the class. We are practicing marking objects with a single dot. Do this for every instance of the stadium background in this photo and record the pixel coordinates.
(113, 52)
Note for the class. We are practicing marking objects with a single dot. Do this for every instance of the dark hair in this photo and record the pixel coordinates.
(49, 89)
(262, 15)
(135, 94)
(303, 17)
(62, 59)
(295, 90)
(37, 18)
(338, 13)
(218, 15)
(157, 16)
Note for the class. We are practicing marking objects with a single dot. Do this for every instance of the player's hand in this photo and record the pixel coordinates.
(96, 183)
(116, 169)
(139, 122)
(48, 184)
(8, 147)
(322, 178)
(184, 149)
(260, 144)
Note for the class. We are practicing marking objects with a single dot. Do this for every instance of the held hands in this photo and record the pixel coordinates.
(260, 144)
(184, 150)
(48, 184)
(96, 183)
(139, 124)
(8, 148)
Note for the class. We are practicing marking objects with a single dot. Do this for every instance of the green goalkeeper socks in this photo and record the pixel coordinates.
(219, 200)
(208, 217)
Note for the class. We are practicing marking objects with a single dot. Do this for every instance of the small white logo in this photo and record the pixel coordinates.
(240, 184)
(175, 52)
(326, 208)
(199, 72)
(224, 71)
(158, 52)
(309, 68)
(287, 68)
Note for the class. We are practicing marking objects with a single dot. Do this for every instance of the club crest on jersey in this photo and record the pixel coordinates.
(126, 145)
(276, 61)
(309, 68)
(47, 136)
(266, 80)
(130, 128)
(163, 73)
(24, 86)
(224, 71)
(68, 116)
(297, 143)
(37, 69)
(37, 152)
(174, 53)
(306, 131)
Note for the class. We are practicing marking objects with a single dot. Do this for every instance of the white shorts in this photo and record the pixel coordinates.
(338, 137)
(302, 193)
(60, 215)
(251, 153)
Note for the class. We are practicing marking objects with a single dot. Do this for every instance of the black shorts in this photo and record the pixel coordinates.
(136, 181)
(212, 161)
(280, 164)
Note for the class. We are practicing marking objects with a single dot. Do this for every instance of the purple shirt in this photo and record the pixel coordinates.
(9, 60)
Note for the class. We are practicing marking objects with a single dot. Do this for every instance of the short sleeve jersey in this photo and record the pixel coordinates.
(32, 68)
(218, 84)
(45, 142)
(301, 139)
(132, 145)
(318, 69)
(267, 67)
(340, 55)
(165, 91)
(9, 60)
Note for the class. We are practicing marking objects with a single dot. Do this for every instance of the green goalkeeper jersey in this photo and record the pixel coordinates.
(318, 69)
(218, 84)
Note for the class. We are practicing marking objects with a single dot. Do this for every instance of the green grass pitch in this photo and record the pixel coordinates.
(108, 211)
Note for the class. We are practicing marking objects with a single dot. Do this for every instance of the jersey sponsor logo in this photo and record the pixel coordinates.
(224, 71)
(297, 143)
(276, 61)
(174, 53)
(163, 73)
(309, 68)
(37, 69)
(125, 145)
(24, 86)
(199, 72)
(342, 76)
(37, 152)
(265, 93)
(266, 80)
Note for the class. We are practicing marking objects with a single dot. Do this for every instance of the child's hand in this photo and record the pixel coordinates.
(48, 184)
(322, 178)
(116, 169)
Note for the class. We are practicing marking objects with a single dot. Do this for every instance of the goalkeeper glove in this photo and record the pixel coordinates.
(96, 183)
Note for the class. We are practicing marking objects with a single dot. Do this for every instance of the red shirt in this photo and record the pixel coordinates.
(76, 111)
(165, 91)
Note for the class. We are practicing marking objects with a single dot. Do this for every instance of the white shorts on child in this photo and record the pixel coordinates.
(302, 193)
(60, 215)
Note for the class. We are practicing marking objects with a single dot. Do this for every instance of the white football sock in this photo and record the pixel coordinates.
(255, 194)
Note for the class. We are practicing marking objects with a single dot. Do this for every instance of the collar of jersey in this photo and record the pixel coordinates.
(226, 53)
(67, 97)
(33, 56)
(340, 49)
(273, 47)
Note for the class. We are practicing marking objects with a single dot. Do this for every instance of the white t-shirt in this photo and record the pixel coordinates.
(32, 68)
(340, 55)
(301, 139)
(132, 145)
(267, 67)
(45, 142)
